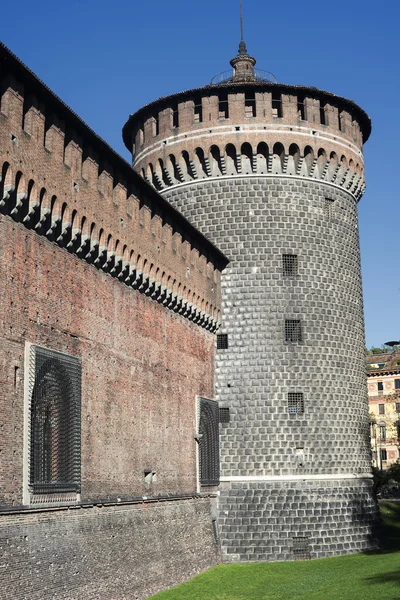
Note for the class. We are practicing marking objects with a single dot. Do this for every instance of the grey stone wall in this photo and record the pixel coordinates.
(104, 552)
(267, 520)
(254, 221)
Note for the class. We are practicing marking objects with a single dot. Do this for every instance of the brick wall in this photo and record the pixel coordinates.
(142, 367)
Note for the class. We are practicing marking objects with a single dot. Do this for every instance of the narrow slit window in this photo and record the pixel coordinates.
(322, 114)
(156, 126)
(198, 111)
(175, 116)
(289, 265)
(293, 330)
(276, 105)
(250, 104)
(296, 403)
(222, 341)
(329, 208)
(301, 108)
(223, 106)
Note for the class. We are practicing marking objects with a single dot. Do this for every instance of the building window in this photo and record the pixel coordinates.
(381, 409)
(276, 105)
(301, 548)
(380, 386)
(383, 454)
(397, 384)
(175, 116)
(382, 431)
(398, 407)
(208, 436)
(222, 341)
(223, 106)
(250, 104)
(289, 265)
(301, 108)
(295, 403)
(224, 416)
(198, 110)
(55, 418)
(329, 208)
(293, 331)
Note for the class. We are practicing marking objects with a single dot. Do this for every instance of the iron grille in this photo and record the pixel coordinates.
(293, 330)
(301, 548)
(208, 442)
(222, 341)
(55, 407)
(329, 208)
(295, 403)
(224, 416)
(289, 264)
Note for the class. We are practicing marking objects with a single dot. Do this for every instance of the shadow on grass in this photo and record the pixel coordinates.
(390, 512)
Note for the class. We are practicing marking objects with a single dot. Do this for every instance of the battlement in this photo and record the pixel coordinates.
(96, 206)
(255, 128)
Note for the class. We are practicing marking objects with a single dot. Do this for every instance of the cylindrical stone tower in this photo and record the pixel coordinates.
(272, 174)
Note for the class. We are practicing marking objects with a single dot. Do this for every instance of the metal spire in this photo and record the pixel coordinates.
(242, 45)
(241, 20)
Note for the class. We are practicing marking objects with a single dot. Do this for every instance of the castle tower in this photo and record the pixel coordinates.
(272, 174)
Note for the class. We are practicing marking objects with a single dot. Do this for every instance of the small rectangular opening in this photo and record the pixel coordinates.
(289, 265)
(293, 332)
(322, 115)
(301, 109)
(224, 416)
(276, 105)
(301, 548)
(175, 117)
(223, 106)
(198, 111)
(329, 208)
(295, 403)
(250, 104)
(156, 127)
(222, 341)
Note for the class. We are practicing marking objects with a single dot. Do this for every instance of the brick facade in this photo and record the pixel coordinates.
(94, 264)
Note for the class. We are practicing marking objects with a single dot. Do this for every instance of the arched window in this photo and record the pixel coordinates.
(55, 445)
(208, 442)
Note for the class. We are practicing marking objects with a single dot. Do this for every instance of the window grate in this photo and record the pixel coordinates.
(301, 548)
(224, 416)
(222, 341)
(329, 208)
(289, 265)
(55, 437)
(295, 403)
(293, 331)
(208, 442)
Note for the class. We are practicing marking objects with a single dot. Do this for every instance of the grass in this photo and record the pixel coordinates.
(365, 576)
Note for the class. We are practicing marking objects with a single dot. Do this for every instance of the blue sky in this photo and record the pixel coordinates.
(105, 60)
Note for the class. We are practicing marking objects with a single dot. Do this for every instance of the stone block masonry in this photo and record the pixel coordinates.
(105, 552)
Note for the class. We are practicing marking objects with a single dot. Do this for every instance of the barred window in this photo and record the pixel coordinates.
(329, 208)
(222, 341)
(289, 265)
(301, 548)
(208, 441)
(224, 416)
(293, 330)
(295, 403)
(55, 437)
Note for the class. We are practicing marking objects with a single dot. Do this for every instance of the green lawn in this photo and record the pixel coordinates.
(369, 576)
